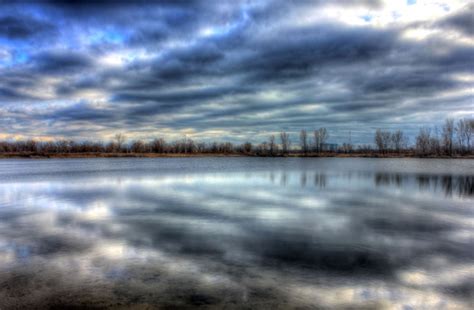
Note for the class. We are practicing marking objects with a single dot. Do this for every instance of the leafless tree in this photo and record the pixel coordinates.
(226, 147)
(201, 147)
(190, 146)
(263, 149)
(137, 146)
(323, 136)
(320, 137)
(31, 146)
(158, 145)
(464, 129)
(285, 142)
(346, 147)
(378, 139)
(399, 140)
(272, 145)
(304, 141)
(448, 136)
(366, 148)
(469, 133)
(119, 140)
(423, 141)
(62, 146)
(382, 140)
(247, 147)
(435, 144)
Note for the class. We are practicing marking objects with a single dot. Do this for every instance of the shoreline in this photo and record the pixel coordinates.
(171, 155)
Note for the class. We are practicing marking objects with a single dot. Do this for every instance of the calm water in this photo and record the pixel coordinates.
(237, 233)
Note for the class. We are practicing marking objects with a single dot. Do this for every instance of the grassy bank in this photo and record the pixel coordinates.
(182, 155)
(110, 155)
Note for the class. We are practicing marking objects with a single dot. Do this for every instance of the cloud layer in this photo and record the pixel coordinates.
(232, 70)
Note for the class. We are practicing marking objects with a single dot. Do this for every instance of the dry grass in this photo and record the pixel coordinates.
(155, 155)
(110, 155)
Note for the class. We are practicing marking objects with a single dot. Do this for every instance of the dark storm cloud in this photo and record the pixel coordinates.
(181, 96)
(13, 86)
(460, 58)
(78, 85)
(81, 111)
(113, 4)
(184, 64)
(406, 82)
(203, 65)
(11, 94)
(57, 62)
(462, 21)
(301, 51)
(264, 64)
(23, 27)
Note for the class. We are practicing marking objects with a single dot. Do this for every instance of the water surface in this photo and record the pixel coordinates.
(237, 233)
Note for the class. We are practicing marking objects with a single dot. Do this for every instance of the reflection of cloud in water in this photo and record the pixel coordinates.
(261, 239)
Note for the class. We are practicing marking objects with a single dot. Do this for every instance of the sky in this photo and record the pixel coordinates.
(233, 70)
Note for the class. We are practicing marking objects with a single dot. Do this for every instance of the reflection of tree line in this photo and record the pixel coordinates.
(461, 185)
(317, 180)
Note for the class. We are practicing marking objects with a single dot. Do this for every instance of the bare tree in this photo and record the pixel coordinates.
(185, 144)
(285, 142)
(386, 138)
(201, 147)
(464, 129)
(320, 137)
(423, 141)
(31, 146)
(138, 146)
(119, 140)
(378, 140)
(262, 149)
(225, 147)
(448, 136)
(62, 146)
(460, 128)
(382, 140)
(323, 137)
(469, 133)
(435, 144)
(272, 145)
(349, 146)
(317, 141)
(399, 140)
(304, 141)
(190, 146)
(157, 145)
(247, 147)
(346, 147)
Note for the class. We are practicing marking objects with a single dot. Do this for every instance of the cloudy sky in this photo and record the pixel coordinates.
(233, 70)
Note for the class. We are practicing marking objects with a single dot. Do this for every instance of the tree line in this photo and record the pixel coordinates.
(454, 138)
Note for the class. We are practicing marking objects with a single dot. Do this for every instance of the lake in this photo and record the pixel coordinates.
(237, 233)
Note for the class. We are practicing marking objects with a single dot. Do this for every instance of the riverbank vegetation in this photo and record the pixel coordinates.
(454, 139)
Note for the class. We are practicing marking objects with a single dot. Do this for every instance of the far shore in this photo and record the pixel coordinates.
(27, 155)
